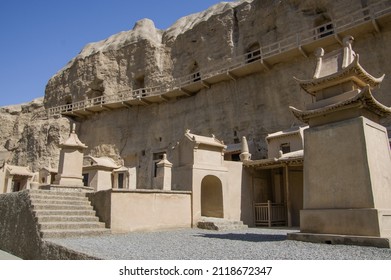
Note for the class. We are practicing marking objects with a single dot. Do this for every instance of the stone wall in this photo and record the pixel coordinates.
(125, 211)
(19, 233)
(101, 201)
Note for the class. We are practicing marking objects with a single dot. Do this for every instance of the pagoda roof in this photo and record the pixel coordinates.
(105, 162)
(290, 159)
(209, 141)
(73, 140)
(49, 169)
(363, 98)
(297, 130)
(19, 170)
(353, 72)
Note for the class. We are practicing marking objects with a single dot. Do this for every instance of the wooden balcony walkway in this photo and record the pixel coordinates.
(369, 19)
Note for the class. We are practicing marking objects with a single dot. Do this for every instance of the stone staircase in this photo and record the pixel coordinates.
(220, 224)
(65, 214)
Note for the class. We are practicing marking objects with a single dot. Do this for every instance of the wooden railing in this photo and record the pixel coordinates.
(270, 214)
(292, 42)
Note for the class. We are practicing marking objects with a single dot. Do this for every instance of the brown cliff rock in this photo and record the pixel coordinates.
(144, 57)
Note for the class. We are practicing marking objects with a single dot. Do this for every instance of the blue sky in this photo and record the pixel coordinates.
(38, 37)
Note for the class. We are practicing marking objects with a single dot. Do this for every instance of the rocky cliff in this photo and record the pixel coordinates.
(30, 138)
(144, 57)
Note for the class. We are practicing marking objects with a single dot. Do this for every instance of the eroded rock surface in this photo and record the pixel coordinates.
(144, 56)
(30, 139)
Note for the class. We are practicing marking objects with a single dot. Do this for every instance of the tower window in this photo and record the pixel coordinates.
(285, 148)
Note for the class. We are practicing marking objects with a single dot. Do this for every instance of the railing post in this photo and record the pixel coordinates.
(269, 213)
(255, 214)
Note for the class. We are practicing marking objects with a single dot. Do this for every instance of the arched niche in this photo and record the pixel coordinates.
(212, 197)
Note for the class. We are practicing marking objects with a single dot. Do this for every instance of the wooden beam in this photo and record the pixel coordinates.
(231, 76)
(265, 65)
(89, 111)
(164, 98)
(302, 51)
(106, 107)
(186, 92)
(287, 194)
(205, 84)
(143, 101)
(126, 104)
(73, 113)
(336, 36)
(376, 25)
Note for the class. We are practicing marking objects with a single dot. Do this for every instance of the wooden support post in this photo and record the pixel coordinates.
(288, 200)
(269, 213)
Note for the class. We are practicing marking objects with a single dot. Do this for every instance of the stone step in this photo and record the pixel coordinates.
(70, 225)
(53, 233)
(47, 206)
(67, 218)
(220, 224)
(65, 214)
(57, 193)
(54, 212)
(62, 197)
(59, 201)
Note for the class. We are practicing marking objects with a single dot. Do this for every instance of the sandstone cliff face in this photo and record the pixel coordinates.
(252, 106)
(128, 60)
(146, 56)
(29, 139)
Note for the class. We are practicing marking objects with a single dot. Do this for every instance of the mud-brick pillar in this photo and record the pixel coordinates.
(163, 174)
(347, 158)
(71, 161)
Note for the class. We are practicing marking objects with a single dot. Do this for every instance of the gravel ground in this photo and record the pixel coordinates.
(197, 244)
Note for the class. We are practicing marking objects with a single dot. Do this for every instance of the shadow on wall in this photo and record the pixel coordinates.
(246, 200)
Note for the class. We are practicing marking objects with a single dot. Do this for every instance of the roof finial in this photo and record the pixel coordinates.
(319, 53)
(348, 52)
(244, 155)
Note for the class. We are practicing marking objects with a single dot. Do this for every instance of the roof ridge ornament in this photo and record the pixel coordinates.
(339, 69)
(319, 53)
(245, 154)
(73, 140)
(340, 83)
(348, 52)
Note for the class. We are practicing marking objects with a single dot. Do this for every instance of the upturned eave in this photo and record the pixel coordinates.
(363, 98)
(353, 72)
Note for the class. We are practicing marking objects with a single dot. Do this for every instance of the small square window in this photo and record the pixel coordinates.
(285, 148)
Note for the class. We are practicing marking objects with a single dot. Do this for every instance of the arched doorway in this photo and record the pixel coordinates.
(212, 197)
